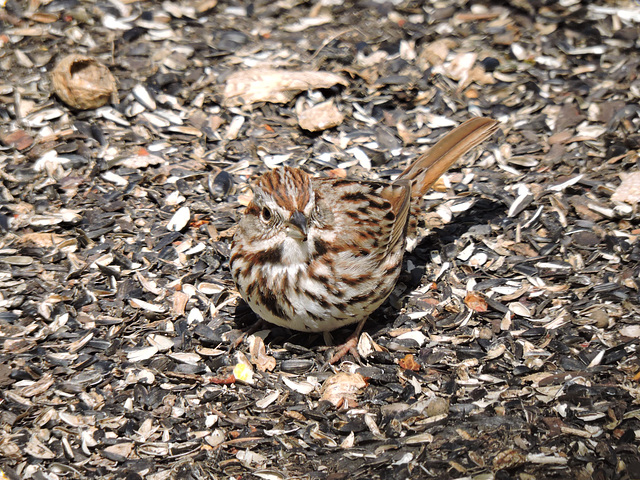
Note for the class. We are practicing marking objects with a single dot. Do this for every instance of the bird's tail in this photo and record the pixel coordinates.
(429, 166)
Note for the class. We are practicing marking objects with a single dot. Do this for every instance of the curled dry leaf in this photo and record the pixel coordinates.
(475, 302)
(259, 357)
(409, 363)
(342, 389)
(82, 82)
(275, 86)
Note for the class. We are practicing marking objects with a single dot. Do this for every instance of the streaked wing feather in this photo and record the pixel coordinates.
(399, 195)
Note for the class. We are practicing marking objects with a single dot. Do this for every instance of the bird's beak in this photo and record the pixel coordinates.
(297, 227)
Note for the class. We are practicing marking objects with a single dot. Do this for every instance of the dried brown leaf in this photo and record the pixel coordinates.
(475, 302)
(259, 357)
(82, 82)
(409, 363)
(275, 86)
(342, 389)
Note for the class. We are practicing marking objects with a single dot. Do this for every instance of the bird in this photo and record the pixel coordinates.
(315, 254)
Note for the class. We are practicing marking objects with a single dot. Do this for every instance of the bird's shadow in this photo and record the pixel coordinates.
(443, 239)
(483, 212)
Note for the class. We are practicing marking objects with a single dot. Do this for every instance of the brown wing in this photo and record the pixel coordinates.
(372, 216)
(399, 195)
(429, 166)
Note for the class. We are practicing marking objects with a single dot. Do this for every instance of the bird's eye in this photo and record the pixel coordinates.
(265, 215)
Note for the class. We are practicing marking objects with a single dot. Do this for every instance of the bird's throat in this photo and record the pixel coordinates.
(294, 251)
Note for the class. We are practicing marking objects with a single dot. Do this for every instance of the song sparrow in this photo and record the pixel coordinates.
(315, 254)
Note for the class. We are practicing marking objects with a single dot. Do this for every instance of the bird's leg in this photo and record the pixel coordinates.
(350, 345)
(260, 323)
